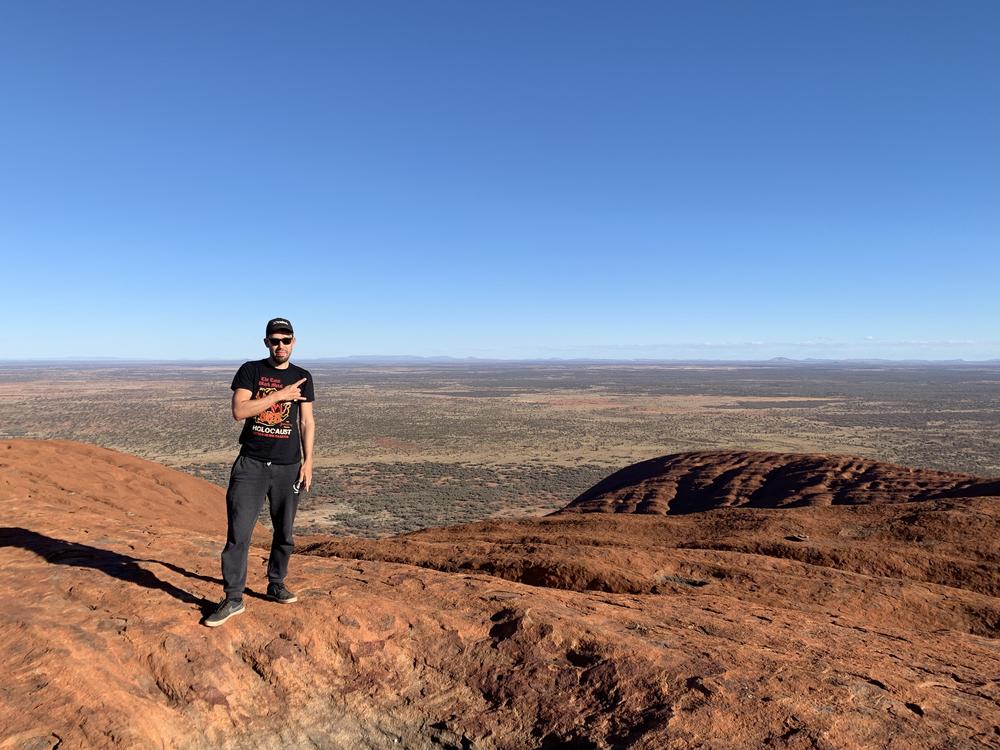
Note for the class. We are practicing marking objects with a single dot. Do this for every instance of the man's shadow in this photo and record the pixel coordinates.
(115, 564)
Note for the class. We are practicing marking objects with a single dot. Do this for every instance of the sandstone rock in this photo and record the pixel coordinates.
(876, 627)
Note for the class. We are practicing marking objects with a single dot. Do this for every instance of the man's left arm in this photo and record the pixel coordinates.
(307, 429)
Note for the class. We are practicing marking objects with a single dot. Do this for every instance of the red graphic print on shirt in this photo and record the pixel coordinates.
(277, 413)
(272, 422)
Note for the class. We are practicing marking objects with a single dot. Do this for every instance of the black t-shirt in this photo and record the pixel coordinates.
(273, 435)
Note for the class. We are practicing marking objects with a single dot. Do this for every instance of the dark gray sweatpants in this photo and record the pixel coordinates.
(250, 483)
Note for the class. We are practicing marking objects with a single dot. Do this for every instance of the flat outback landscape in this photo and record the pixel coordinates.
(404, 446)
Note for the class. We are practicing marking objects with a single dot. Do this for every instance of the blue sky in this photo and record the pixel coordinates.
(664, 179)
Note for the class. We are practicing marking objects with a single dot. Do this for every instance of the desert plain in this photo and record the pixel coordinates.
(402, 447)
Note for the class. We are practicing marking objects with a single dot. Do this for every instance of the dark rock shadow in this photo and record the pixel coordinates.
(182, 571)
(209, 579)
(114, 564)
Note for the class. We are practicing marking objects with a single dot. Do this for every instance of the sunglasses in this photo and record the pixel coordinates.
(275, 340)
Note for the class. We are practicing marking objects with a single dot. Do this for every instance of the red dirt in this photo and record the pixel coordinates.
(857, 625)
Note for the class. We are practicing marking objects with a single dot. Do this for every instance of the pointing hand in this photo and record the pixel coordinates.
(292, 392)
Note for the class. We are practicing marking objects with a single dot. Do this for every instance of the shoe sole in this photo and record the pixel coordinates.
(219, 622)
(283, 601)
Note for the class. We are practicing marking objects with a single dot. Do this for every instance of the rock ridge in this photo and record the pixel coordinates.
(703, 480)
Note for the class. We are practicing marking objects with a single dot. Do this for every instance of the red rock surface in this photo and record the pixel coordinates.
(870, 624)
(703, 480)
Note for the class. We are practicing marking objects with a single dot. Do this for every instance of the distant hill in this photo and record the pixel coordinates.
(699, 481)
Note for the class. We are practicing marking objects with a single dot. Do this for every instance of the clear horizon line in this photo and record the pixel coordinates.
(456, 358)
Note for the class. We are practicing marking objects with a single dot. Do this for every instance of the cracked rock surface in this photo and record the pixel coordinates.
(692, 623)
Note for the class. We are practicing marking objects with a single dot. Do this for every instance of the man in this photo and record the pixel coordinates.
(275, 398)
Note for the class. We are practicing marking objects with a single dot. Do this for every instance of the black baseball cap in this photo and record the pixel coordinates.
(278, 324)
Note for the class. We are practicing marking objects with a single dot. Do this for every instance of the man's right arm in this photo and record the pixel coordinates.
(245, 407)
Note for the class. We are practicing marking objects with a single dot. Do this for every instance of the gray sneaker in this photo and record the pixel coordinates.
(227, 609)
(278, 593)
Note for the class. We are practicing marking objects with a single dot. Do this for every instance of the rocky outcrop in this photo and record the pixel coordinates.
(842, 626)
(698, 481)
